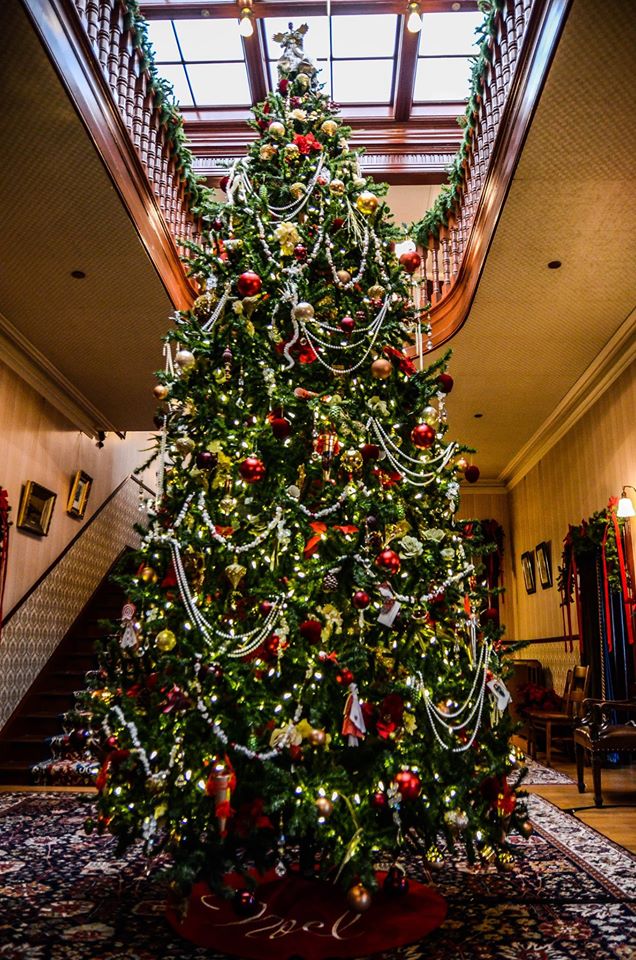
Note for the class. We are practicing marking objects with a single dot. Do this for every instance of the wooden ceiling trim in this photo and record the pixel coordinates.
(158, 10)
(255, 63)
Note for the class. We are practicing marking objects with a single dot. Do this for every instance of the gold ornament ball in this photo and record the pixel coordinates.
(204, 305)
(430, 416)
(184, 359)
(165, 641)
(318, 738)
(526, 829)
(227, 504)
(358, 898)
(462, 463)
(148, 575)
(277, 129)
(337, 187)
(160, 391)
(303, 311)
(303, 82)
(267, 151)
(376, 292)
(381, 369)
(351, 461)
(297, 190)
(184, 445)
(291, 150)
(367, 203)
(324, 806)
(329, 127)
(343, 276)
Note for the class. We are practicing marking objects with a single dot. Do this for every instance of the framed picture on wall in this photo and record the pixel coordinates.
(527, 567)
(79, 494)
(544, 564)
(36, 509)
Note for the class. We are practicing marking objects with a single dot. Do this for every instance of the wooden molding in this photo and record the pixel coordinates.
(608, 365)
(406, 70)
(217, 9)
(63, 36)
(547, 20)
(21, 356)
(484, 488)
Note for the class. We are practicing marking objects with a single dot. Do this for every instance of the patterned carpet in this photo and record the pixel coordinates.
(538, 774)
(66, 896)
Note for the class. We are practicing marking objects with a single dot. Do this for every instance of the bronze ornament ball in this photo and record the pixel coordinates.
(303, 311)
(160, 391)
(148, 575)
(381, 369)
(343, 276)
(317, 738)
(324, 806)
(359, 898)
(376, 292)
(184, 359)
(337, 187)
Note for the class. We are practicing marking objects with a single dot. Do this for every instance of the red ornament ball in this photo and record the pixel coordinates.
(300, 252)
(281, 427)
(245, 903)
(445, 382)
(370, 451)
(490, 615)
(265, 607)
(389, 561)
(410, 261)
(395, 883)
(379, 800)
(249, 284)
(206, 460)
(217, 224)
(472, 473)
(361, 599)
(223, 182)
(337, 223)
(311, 630)
(423, 436)
(252, 470)
(409, 784)
(347, 324)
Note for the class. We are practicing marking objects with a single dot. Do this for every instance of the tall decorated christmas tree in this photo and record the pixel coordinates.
(304, 679)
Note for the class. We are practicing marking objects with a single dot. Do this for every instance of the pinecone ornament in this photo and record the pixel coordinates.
(330, 582)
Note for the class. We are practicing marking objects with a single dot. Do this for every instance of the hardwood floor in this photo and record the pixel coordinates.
(616, 819)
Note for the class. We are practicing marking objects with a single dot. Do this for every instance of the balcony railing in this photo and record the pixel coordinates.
(456, 241)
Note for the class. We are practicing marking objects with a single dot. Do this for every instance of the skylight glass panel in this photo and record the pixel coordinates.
(219, 84)
(175, 74)
(161, 36)
(442, 78)
(364, 36)
(446, 33)
(316, 42)
(209, 39)
(362, 81)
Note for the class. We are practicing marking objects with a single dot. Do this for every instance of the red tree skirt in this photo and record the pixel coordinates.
(308, 919)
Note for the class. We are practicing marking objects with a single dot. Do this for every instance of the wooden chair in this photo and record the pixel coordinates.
(597, 736)
(550, 722)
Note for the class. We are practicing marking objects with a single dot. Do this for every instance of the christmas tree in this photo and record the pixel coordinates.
(304, 678)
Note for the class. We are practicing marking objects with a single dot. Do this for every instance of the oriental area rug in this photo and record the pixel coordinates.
(66, 896)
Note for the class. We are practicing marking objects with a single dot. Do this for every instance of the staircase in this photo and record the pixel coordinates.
(45, 741)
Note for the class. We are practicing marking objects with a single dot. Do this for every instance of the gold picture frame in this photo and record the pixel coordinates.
(544, 563)
(78, 495)
(36, 509)
(527, 568)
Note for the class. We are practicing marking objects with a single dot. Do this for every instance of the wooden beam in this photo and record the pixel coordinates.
(406, 69)
(255, 63)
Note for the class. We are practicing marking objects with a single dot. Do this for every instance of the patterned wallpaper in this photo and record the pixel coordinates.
(33, 633)
(556, 660)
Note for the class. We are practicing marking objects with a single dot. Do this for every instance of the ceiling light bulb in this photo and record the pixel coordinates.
(414, 22)
(246, 27)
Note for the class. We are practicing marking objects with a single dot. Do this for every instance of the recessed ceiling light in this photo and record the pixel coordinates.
(78, 274)
(477, 416)
(554, 264)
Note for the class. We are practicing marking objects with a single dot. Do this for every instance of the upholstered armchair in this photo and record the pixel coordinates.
(599, 733)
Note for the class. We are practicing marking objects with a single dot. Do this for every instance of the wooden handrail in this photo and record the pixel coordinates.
(522, 50)
(93, 49)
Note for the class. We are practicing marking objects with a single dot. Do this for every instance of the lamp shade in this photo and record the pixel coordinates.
(625, 507)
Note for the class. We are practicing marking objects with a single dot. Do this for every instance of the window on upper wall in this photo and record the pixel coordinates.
(363, 57)
(203, 60)
(444, 61)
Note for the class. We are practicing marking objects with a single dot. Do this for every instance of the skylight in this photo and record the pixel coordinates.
(446, 47)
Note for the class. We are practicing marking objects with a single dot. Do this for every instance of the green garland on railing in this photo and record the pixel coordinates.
(200, 195)
(437, 216)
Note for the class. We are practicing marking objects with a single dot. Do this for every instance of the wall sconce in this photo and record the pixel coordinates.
(414, 21)
(625, 506)
(246, 26)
